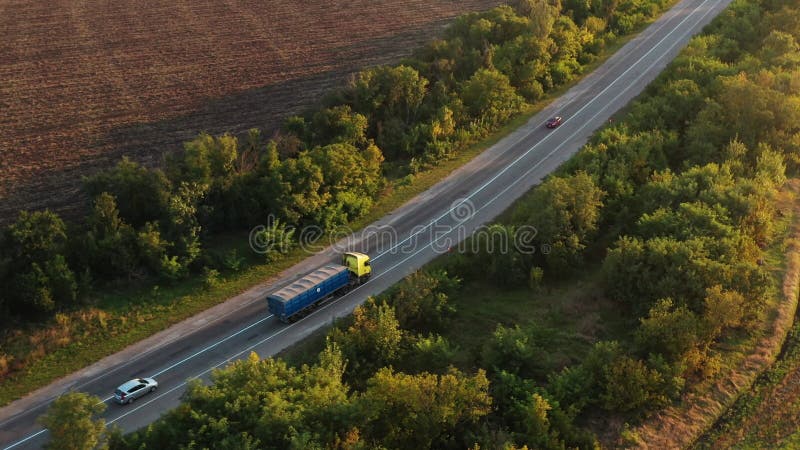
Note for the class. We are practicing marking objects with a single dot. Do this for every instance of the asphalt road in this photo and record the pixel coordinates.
(432, 223)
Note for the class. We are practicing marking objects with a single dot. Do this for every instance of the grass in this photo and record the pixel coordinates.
(765, 416)
(569, 310)
(120, 316)
(572, 316)
(116, 320)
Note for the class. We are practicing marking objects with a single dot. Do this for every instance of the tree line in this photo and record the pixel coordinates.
(322, 168)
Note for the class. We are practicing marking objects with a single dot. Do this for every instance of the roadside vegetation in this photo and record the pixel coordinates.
(156, 244)
(665, 235)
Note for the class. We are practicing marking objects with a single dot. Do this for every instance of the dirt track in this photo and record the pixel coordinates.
(84, 82)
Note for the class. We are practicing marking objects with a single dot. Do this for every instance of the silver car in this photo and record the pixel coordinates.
(134, 389)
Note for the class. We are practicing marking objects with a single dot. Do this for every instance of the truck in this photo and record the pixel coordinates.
(309, 292)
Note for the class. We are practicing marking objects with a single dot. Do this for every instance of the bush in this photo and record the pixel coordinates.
(142, 194)
(210, 278)
(432, 353)
(670, 330)
(372, 341)
(232, 261)
(421, 300)
(35, 272)
(521, 351)
(630, 386)
(536, 278)
(272, 240)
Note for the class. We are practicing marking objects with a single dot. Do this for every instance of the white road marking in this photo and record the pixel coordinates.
(211, 346)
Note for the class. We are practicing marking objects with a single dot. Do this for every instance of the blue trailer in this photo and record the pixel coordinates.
(307, 292)
(302, 296)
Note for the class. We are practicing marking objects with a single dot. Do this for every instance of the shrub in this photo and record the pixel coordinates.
(421, 300)
(518, 350)
(630, 385)
(536, 278)
(232, 261)
(210, 278)
(431, 353)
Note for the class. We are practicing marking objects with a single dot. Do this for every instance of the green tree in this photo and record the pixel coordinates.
(392, 99)
(673, 108)
(423, 411)
(542, 13)
(72, 423)
(254, 194)
(109, 245)
(216, 164)
(630, 385)
(534, 417)
(431, 353)
(581, 385)
(350, 180)
(421, 300)
(781, 49)
(525, 61)
(339, 125)
(35, 237)
(151, 247)
(688, 221)
(204, 160)
(374, 340)
(490, 98)
(564, 64)
(494, 254)
(36, 270)
(744, 108)
(522, 351)
(181, 228)
(301, 194)
(386, 91)
(670, 330)
(565, 212)
(621, 160)
(142, 195)
(255, 403)
(723, 310)
(640, 272)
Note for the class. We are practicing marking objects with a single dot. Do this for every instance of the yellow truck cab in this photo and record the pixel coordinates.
(358, 264)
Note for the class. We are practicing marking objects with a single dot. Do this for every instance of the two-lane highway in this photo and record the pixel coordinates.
(427, 225)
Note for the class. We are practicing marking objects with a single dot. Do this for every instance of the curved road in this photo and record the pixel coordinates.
(406, 239)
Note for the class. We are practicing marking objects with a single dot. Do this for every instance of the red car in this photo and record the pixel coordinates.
(554, 122)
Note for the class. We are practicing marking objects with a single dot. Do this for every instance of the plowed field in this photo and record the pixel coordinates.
(84, 82)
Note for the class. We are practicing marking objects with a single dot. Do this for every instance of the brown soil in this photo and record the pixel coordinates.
(84, 82)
